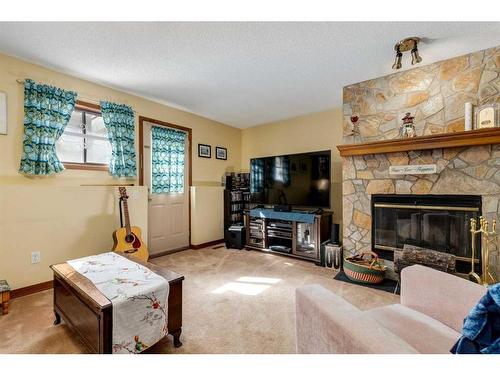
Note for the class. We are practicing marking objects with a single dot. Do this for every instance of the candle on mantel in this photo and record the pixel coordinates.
(468, 116)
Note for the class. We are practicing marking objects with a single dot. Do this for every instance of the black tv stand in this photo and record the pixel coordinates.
(289, 236)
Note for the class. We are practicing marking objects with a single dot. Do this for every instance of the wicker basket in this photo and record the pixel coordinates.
(365, 271)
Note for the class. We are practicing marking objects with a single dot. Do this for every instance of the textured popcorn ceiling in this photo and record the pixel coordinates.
(241, 74)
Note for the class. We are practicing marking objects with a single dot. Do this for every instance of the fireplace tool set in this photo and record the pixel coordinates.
(489, 239)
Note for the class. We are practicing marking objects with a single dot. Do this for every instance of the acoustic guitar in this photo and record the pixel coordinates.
(128, 239)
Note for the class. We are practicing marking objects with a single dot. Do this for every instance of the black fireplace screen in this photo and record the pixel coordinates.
(434, 222)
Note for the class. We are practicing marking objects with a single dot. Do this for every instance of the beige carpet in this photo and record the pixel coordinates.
(235, 301)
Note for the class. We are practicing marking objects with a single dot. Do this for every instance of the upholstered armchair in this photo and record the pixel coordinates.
(428, 320)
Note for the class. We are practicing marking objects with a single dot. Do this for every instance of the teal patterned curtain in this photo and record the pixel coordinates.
(168, 159)
(47, 111)
(119, 121)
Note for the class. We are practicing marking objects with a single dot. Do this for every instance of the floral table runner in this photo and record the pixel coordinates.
(139, 297)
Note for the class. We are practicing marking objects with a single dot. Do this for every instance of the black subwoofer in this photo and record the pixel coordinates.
(234, 237)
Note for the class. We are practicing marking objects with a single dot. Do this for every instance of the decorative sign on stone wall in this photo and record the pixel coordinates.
(413, 169)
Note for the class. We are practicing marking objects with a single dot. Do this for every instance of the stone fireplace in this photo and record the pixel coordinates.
(435, 94)
(437, 222)
(460, 171)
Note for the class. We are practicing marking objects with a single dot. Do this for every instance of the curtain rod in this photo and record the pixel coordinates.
(21, 82)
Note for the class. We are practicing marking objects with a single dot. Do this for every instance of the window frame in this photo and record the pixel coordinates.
(95, 109)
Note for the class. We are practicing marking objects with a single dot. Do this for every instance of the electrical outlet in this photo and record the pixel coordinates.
(35, 257)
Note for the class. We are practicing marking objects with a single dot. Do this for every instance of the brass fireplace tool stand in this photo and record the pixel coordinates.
(489, 239)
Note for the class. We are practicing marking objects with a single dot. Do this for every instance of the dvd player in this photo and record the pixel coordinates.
(279, 233)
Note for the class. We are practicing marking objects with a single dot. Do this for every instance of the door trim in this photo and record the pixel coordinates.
(189, 132)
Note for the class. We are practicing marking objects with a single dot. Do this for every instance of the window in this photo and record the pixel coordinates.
(84, 143)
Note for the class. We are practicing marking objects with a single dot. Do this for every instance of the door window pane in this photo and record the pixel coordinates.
(167, 160)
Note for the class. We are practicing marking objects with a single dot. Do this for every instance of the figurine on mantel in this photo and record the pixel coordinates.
(407, 129)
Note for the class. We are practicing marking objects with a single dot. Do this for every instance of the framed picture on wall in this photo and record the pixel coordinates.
(3, 113)
(204, 151)
(221, 153)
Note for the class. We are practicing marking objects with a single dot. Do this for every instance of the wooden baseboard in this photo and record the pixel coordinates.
(30, 289)
(207, 244)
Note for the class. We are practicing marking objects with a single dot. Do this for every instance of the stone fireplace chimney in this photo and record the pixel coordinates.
(466, 163)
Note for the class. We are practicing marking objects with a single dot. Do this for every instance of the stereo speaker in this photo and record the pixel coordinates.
(235, 237)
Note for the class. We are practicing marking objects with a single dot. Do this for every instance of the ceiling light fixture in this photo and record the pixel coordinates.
(397, 62)
(415, 57)
(407, 44)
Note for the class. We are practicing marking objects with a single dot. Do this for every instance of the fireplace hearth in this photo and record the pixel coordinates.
(436, 222)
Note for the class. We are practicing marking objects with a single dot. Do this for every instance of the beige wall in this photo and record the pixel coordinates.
(313, 132)
(62, 222)
(207, 214)
(58, 216)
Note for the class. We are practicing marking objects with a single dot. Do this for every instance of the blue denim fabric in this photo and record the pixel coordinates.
(481, 332)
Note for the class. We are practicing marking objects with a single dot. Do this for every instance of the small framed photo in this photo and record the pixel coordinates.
(204, 151)
(221, 153)
(3, 113)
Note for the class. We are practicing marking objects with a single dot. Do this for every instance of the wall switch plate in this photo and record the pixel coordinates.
(35, 257)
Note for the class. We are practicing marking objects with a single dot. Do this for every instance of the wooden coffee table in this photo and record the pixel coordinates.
(89, 313)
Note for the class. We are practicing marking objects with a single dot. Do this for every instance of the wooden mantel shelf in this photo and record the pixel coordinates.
(427, 142)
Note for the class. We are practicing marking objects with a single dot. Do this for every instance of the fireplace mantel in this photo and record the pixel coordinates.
(427, 142)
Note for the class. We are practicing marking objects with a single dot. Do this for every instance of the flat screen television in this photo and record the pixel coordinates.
(295, 180)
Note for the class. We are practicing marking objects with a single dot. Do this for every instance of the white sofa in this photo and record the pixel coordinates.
(428, 320)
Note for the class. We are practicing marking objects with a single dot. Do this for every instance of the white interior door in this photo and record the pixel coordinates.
(168, 213)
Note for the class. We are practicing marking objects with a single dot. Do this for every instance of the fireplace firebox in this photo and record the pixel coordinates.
(437, 222)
